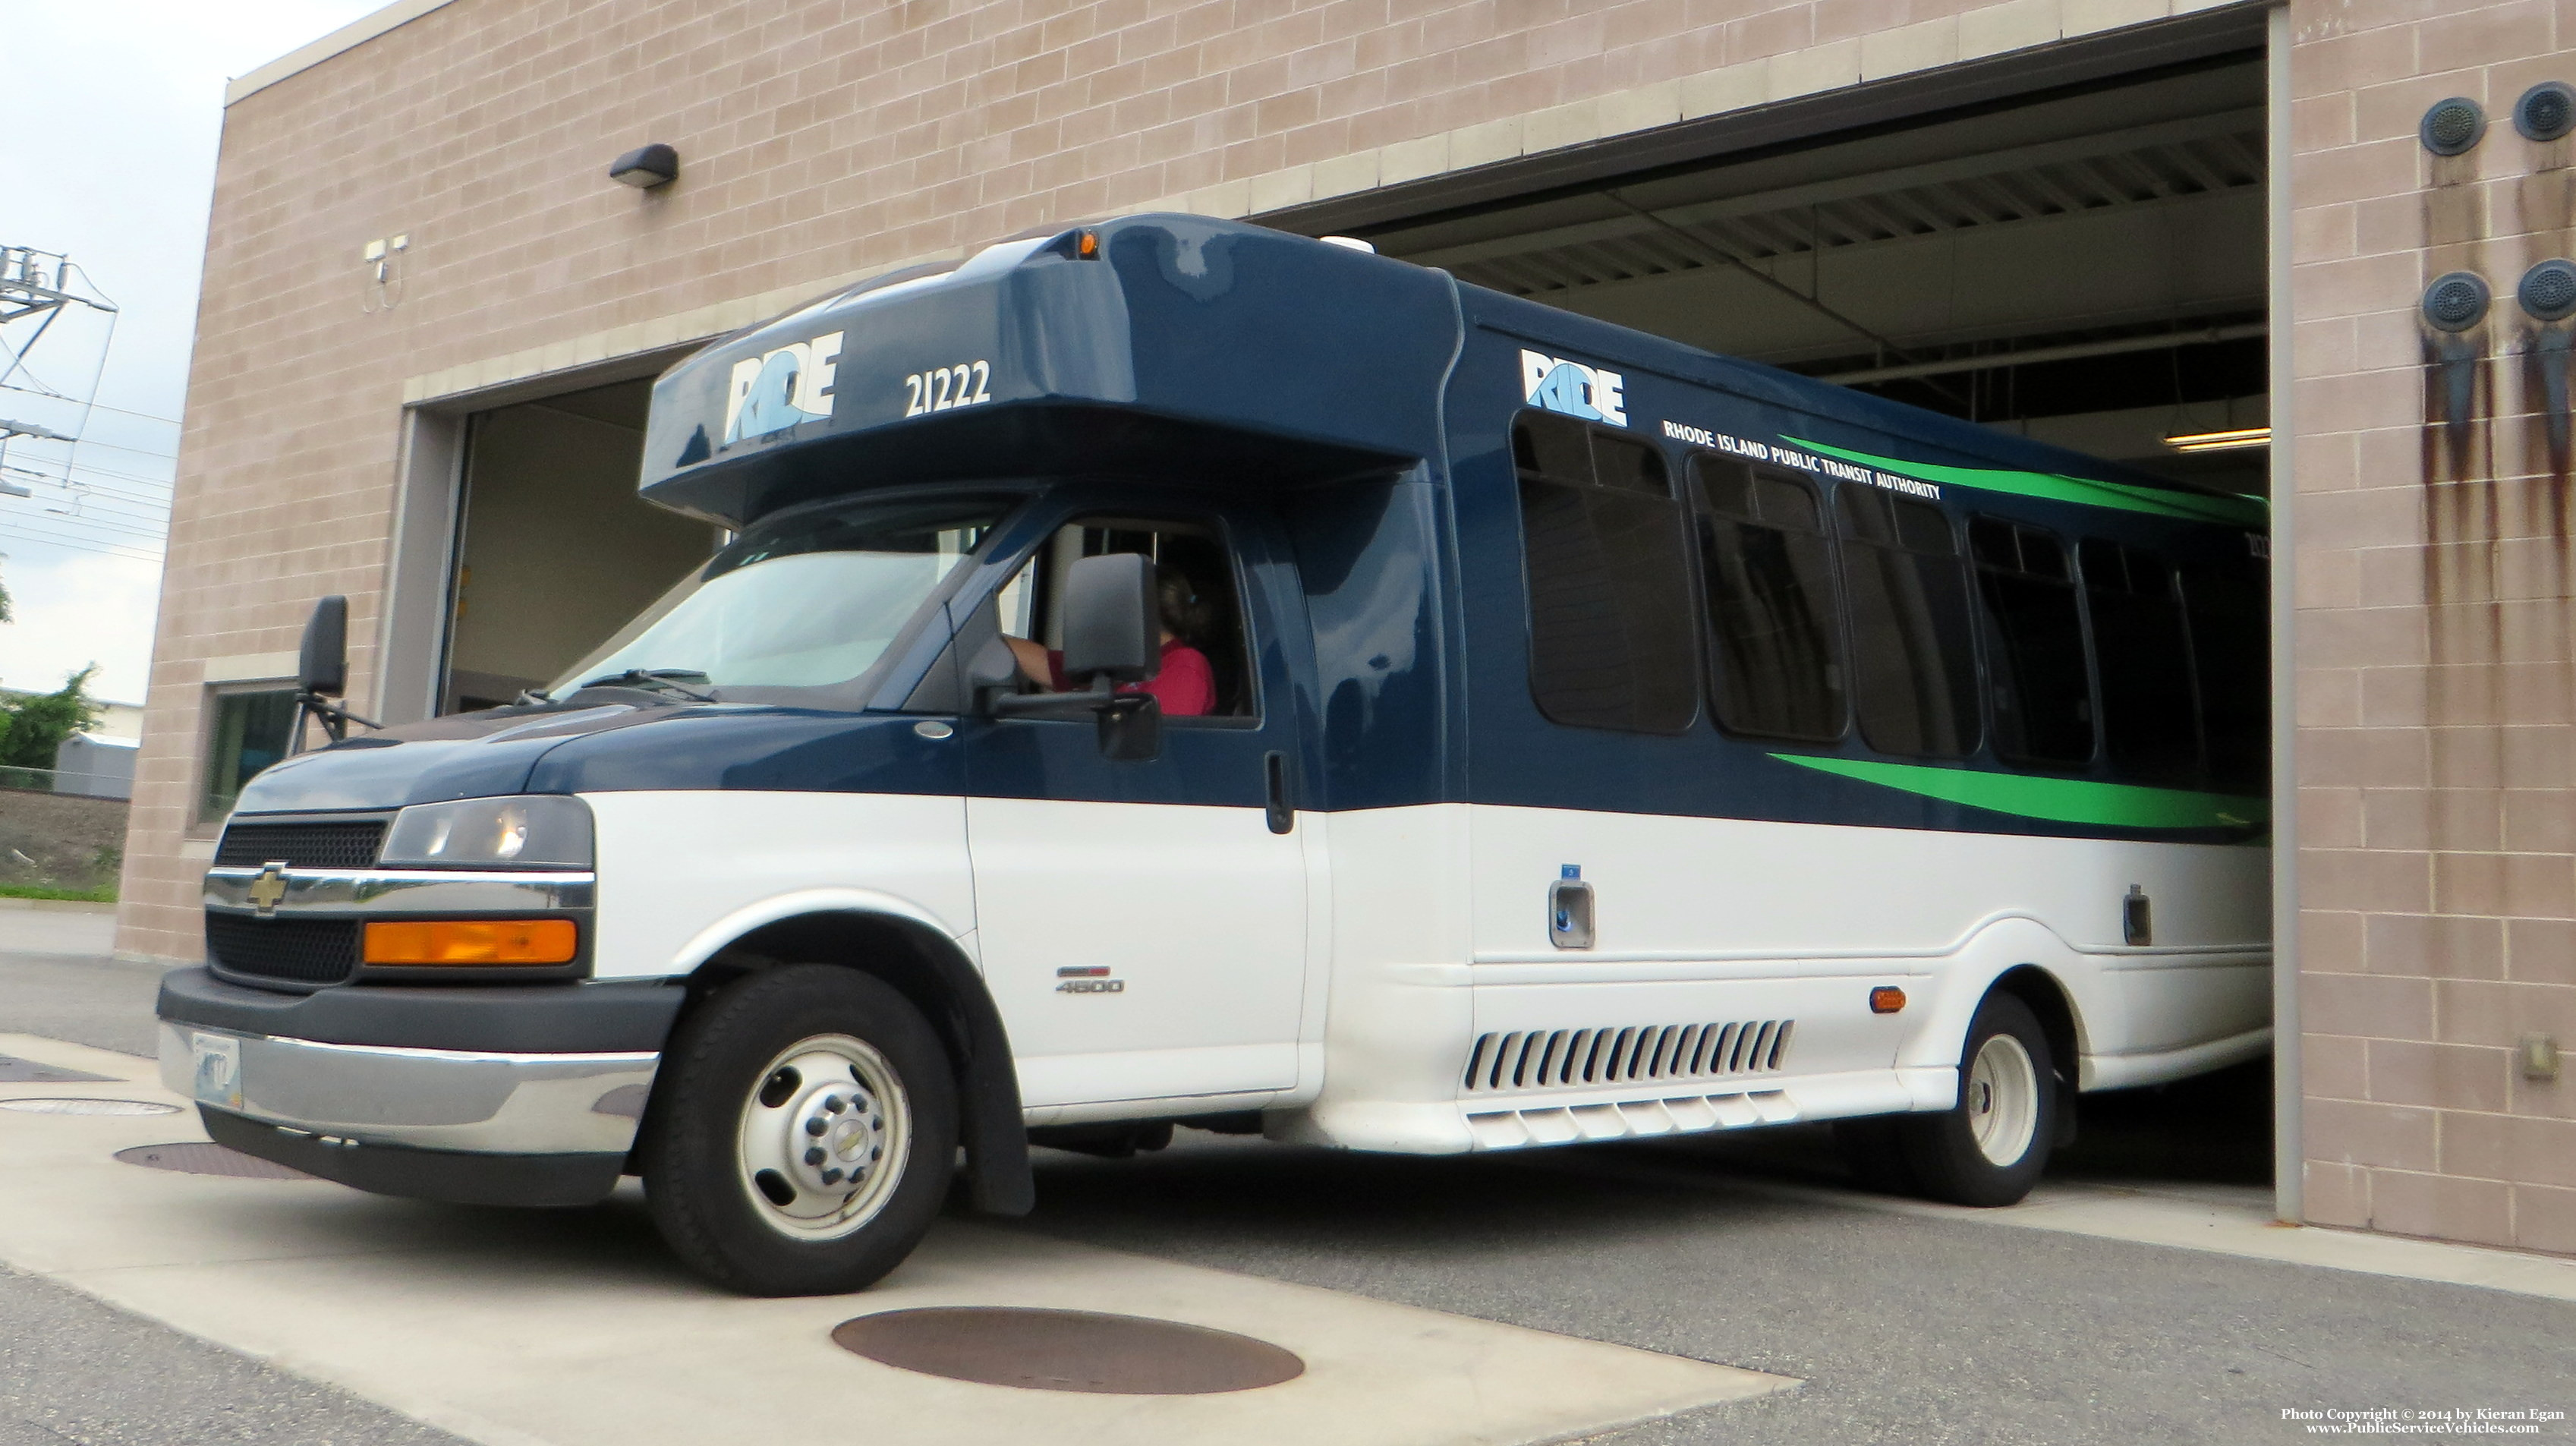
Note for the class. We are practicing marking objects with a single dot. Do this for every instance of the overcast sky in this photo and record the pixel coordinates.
(111, 112)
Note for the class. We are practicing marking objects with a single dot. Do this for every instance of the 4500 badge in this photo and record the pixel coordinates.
(1093, 979)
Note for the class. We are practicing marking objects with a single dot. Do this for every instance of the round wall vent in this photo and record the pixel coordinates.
(2452, 126)
(2546, 111)
(2456, 302)
(2548, 291)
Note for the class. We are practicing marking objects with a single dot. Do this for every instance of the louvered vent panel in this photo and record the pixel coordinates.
(1626, 1054)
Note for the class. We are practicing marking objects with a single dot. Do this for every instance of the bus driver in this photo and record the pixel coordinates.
(1185, 684)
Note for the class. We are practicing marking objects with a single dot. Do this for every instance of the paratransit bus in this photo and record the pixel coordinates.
(1587, 738)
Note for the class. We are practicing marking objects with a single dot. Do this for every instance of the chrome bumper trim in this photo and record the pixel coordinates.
(401, 891)
(437, 1099)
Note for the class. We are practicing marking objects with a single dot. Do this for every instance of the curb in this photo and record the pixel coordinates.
(64, 906)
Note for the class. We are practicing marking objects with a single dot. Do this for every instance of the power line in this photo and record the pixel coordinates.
(130, 554)
(120, 447)
(71, 467)
(108, 531)
(99, 406)
(93, 489)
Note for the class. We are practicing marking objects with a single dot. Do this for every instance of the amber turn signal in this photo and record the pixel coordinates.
(473, 941)
(1886, 999)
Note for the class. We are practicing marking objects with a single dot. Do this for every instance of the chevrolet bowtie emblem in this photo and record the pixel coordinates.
(268, 888)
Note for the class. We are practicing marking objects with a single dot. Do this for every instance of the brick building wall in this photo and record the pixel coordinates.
(2436, 692)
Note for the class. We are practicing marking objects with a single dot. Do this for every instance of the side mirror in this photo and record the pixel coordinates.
(323, 673)
(324, 670)
(1111, 620)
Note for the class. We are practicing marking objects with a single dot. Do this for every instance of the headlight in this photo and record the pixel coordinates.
(531, 831)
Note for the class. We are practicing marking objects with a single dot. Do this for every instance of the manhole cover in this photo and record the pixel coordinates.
(88, 1107)
(199, 1157)
(1067, 1350)
(14, 1070)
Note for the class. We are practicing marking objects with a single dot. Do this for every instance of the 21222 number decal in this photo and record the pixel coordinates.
(942, 388)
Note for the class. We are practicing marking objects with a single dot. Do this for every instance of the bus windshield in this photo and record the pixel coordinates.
(809, 601)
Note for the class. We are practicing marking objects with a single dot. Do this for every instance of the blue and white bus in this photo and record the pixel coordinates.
(1173, 672)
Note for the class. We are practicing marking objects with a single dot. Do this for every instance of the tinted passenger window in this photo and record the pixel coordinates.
(2034, 644)
(1773, 636)
(1609, 589)
(2150, 725)
(1913, 666)
(2231, 625)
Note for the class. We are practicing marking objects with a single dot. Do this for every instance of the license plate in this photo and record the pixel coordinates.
(218, 1070)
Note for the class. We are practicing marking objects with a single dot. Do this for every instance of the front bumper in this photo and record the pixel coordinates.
(425, 1092)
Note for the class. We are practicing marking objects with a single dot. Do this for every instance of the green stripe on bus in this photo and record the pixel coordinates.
(2197, 507)
(2059, 800)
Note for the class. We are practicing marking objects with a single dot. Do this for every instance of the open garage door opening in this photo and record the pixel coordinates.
(554, 550)
(2083, 267)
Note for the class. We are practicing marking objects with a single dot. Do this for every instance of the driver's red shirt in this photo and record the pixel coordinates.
(1185, 687)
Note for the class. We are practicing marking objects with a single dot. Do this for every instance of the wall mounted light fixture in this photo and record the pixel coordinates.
(646, 167)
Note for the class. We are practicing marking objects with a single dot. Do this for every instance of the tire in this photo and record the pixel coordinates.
(1990, 1148)
(774, 1095)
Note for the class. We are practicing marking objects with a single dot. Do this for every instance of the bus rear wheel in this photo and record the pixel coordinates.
(1990, 1148)
(802, 1133)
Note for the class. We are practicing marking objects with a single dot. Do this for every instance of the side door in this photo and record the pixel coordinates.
(1142, 924)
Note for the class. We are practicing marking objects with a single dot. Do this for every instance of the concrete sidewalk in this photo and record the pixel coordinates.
(575, 1327)
(45, 926)
(2140, 1295)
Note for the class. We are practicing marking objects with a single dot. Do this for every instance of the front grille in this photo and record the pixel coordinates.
(298, 951)
(1566, 1058)
(305, 844)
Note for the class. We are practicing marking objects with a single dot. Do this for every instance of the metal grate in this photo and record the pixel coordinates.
(1067, 1350)
(301, 951)
(1563, 1058)
(330, 844)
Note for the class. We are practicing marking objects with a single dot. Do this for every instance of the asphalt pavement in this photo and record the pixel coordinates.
(1746, 1250)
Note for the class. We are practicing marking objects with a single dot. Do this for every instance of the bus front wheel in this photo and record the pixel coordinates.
(1990, 1148)
(802, 1133)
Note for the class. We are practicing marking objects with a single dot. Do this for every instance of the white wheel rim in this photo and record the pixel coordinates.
(2002, 1100)
(823, 1138)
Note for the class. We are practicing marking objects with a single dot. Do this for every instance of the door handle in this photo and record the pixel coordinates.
(1274, 779)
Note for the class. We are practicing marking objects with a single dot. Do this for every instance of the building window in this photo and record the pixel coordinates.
(1611, 642)
(247, 732)
(2231, 626)
(1914, 662)
(2150, 726)
(2034, 644)
(1775, 641)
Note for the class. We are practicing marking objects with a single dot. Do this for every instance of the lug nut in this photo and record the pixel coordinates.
(833, 1103)
(814, 1157)
(831, 1177)
(815, 1126)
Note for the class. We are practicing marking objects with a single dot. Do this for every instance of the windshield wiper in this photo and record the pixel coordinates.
(664, 680)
